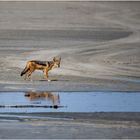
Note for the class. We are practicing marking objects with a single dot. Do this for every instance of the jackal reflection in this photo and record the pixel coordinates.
(54, 98)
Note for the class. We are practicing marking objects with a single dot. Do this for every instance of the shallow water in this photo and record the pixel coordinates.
(69, 102)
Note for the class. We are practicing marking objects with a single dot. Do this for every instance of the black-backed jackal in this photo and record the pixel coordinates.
(45, 66)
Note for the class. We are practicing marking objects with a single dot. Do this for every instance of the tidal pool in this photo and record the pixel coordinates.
(33, 101)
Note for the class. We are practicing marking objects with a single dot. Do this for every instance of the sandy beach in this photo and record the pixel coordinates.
(99, 43)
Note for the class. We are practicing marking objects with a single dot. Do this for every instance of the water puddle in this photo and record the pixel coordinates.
(28, 102)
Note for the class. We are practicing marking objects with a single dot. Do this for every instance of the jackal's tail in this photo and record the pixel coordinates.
(24, 71)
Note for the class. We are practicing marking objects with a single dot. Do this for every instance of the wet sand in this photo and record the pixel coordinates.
(70, 125)
(99, 45)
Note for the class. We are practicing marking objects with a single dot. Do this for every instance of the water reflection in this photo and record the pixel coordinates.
(70, 101)
(33, 95)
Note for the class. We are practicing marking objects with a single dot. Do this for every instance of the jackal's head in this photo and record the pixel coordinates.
(56, 62)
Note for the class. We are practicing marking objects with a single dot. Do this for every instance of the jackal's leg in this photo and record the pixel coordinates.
(29, 75)
(46, 75)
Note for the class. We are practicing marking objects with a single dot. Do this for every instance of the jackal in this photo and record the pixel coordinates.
(45, 66)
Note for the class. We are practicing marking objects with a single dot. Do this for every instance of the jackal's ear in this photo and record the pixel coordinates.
(59, 59)
(54, 59)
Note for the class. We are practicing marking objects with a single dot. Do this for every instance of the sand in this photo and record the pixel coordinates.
(70, 126)
(98, 43)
